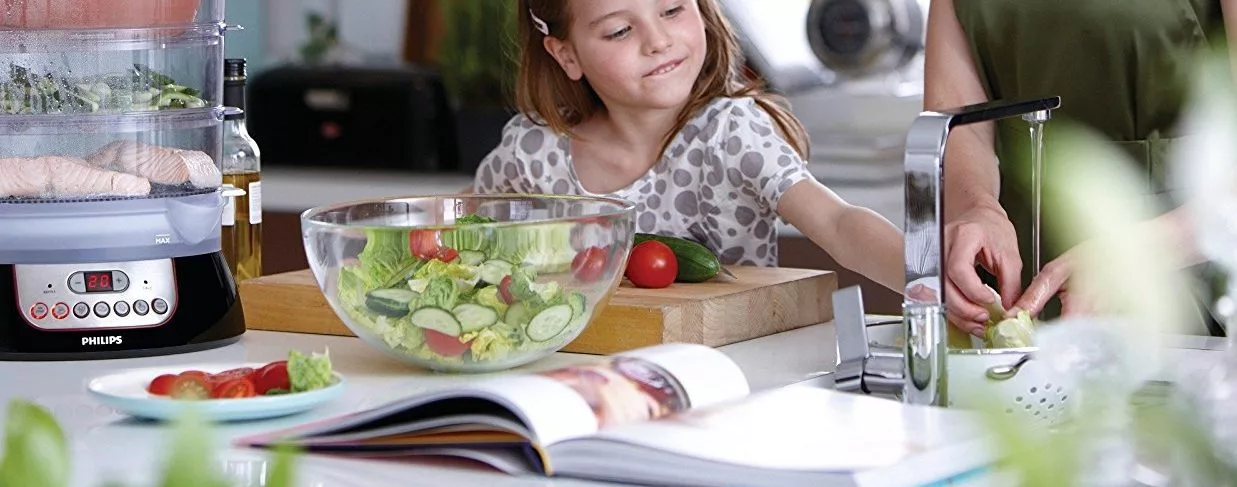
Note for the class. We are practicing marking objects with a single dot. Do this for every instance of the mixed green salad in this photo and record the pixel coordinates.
(27, 92)
(466, 295)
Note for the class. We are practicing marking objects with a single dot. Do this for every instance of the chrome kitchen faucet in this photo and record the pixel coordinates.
(924, 378)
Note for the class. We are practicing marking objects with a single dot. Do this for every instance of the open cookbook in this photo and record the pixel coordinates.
(672, 414)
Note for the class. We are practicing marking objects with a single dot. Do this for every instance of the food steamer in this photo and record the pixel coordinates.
(110, 184)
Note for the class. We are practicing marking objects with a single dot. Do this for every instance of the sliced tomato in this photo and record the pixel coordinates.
(447, 254)
(190, 387)
(272, 376)
(589, 264)
(445, 345)
(227, 375)
(162, 385)
(504, 290)
(195, 373)
(233, 388)
(423, 244)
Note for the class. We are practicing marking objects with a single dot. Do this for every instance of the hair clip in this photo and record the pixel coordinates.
(541, 25)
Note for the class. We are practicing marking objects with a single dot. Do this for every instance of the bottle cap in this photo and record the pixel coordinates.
(234, 68)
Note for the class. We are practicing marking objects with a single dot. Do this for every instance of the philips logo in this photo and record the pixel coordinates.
(107, 340)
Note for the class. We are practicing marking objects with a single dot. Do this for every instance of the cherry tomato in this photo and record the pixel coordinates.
(444, 344)
(423, 244)
(227, 375)
(652, 265)
(589, 264)
(504, 290)
(272, 376)
(232, 388)
(190, 387)
(162, 385)
(447, 254)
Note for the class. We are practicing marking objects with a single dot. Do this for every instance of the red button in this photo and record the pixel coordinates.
(38, 311)
(60, 311)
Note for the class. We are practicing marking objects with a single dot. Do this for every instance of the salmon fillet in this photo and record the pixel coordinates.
(162, 165)
(65, 177)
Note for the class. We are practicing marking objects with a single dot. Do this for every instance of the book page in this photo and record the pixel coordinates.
(706, 375)
(544, 407)
(792, 429)
(651, 383)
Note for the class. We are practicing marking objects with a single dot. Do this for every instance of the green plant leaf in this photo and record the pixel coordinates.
(34, 446)
(191, 462)
(283, 466)
(476, 51)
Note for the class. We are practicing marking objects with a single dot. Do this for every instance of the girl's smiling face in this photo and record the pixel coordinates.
(635, 53)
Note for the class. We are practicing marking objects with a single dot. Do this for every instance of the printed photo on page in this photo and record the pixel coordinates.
(624, 390)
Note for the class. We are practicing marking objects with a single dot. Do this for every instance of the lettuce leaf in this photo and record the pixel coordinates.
(309, 372)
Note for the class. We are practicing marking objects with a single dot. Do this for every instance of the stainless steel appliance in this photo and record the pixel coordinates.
(110, 185)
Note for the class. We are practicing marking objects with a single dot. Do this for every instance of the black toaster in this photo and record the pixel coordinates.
(365, 117)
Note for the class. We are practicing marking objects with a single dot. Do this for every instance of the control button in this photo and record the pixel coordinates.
(101, 309)
(121, 308)
(81, 310)
(120, 281)
(38, 311)
(159, 305)
(60, 311)
(140, 307)
(77, 282)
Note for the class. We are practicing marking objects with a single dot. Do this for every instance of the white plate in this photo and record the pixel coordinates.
(126, 392)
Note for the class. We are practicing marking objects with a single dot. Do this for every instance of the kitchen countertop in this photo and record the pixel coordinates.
(107, 445)
(873, 184)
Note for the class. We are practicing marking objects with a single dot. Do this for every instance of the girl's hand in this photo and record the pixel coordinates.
(982, 235)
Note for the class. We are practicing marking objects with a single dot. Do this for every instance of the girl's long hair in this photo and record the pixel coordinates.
(547, 96)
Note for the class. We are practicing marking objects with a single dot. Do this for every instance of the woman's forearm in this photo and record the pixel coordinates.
(951, 79)
(1176, 231)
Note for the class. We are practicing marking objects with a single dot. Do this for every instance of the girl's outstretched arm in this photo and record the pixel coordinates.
(858, 238)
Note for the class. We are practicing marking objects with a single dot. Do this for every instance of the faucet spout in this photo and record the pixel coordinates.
(923, 307)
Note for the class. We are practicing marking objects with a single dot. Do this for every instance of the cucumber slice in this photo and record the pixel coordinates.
(518, 314)
(577, 302)
(390, 302)
(471, 257)
(473, 317)
(437, 319)
(494, 270)
(549, 323)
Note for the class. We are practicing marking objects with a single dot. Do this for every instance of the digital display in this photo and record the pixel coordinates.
(97, 282)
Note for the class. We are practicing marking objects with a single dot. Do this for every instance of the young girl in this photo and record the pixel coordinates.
(643, 100)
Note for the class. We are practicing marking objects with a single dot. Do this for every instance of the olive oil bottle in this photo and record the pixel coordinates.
(242, 219)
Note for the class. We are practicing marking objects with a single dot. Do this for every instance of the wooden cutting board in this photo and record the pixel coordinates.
(760, 302)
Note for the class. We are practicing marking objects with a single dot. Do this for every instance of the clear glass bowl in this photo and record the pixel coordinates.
(421, 280)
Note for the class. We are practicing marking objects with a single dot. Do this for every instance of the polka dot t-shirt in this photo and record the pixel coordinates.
(719, 181)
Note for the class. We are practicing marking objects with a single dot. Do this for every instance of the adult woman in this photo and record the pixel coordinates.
(1121, 69)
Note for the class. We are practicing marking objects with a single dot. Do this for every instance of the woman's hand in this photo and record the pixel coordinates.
(1054, 280)
(982, 235)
